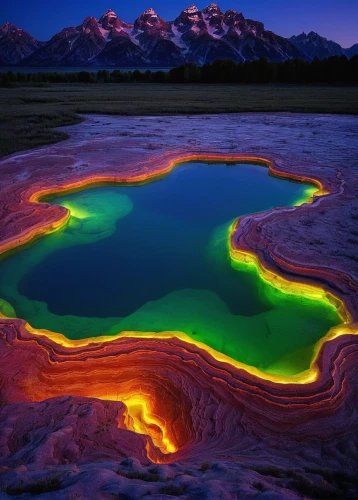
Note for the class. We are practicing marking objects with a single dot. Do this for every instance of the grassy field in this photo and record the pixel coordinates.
(30, 114)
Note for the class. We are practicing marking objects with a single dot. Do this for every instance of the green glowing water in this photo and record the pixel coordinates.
(155, 258)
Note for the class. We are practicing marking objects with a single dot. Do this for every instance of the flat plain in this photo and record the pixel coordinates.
(30, 114)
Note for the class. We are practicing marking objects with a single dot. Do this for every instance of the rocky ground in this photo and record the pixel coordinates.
(63, 425)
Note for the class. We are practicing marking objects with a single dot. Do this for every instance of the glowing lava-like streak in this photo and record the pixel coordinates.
(139, 418)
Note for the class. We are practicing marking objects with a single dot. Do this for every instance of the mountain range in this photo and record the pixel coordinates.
(194, 36)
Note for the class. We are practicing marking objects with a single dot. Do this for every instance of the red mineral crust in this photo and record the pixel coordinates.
(66, 408)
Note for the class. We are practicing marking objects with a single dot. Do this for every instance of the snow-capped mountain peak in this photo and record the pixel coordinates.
(150, 12)
(109, 13)
(149, 21)
(189, 19)
(192, 9)
(212, 9)
(111, 26)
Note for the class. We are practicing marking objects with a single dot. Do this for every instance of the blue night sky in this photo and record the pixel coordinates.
(336, 20)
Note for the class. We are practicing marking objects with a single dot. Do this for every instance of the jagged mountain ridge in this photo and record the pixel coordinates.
(314, 45)
(194, 36)
(15, 44)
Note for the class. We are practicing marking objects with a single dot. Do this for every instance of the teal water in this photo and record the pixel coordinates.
(154, 257)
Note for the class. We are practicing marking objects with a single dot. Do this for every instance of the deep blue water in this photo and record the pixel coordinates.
(161, 246)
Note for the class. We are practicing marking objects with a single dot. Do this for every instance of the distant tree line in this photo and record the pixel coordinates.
(334, 70)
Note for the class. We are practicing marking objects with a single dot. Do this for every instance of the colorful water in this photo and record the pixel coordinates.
(155, 257)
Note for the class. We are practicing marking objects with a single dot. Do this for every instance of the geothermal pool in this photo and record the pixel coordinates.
(155, 257)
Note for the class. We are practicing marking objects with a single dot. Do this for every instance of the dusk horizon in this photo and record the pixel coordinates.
(329, 19)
